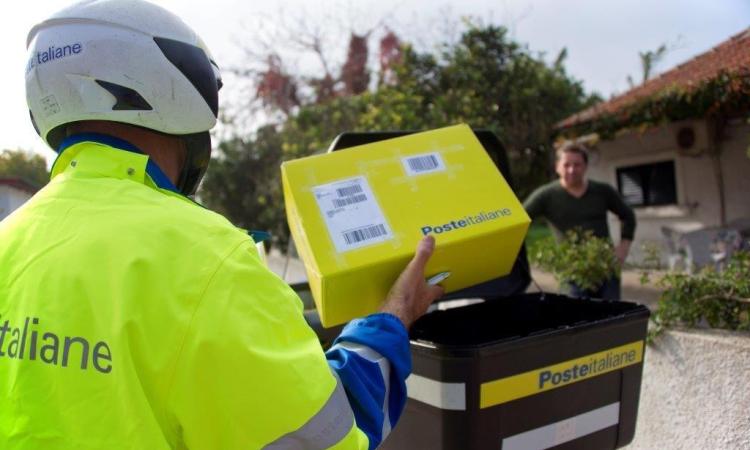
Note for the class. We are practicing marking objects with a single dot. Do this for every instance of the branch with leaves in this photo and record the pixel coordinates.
(579, 258)
(719, 299)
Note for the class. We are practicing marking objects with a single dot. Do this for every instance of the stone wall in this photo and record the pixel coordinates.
(695, 392)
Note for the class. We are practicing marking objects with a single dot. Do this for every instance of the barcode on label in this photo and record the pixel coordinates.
(352, 214)
(364, 234)
(341, 202)
(423, 163)
(349, 190)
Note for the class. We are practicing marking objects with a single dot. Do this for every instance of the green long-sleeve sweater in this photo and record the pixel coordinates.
(589, 212)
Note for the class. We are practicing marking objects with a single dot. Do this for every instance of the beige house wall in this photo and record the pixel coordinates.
(736, 165)
(696, 186)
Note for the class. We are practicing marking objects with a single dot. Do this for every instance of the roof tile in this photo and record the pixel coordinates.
(731, 55)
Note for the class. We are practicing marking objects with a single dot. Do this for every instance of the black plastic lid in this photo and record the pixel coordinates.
(519, 278)
(518, 317)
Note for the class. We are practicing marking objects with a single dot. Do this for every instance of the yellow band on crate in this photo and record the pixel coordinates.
(558, 375)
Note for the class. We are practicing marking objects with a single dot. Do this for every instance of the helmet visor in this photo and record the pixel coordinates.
(193, 62)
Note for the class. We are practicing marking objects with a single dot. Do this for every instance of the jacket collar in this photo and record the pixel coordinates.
(109, 159)
(113, 157)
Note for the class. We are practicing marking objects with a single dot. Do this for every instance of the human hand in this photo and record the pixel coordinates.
(622, 250)
(410, 295)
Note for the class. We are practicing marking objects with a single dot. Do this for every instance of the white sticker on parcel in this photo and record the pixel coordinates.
(352, 214)
(421, 164)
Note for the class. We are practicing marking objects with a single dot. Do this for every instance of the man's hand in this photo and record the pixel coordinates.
(621, 251)
(411, 295)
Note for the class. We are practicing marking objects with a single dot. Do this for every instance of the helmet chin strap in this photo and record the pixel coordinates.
(197, 157)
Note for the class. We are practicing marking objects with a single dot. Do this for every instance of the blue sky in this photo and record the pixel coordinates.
(603, 38)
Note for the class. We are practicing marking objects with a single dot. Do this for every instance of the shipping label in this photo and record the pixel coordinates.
(352, 214)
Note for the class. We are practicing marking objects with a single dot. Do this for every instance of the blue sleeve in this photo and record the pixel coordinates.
(371, 358)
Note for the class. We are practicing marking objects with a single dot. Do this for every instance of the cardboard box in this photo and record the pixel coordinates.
(357, 215)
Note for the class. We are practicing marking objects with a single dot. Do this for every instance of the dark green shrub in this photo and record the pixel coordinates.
(718, 299)
(579, 258)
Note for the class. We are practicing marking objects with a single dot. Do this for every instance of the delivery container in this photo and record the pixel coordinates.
(531, 371)
(520, 371)
(357, 216)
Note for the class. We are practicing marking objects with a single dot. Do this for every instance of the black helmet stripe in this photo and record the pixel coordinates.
(126, 99)
(33, 122)
(194, 64)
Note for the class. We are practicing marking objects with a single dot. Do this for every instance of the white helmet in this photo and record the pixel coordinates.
(125, 61)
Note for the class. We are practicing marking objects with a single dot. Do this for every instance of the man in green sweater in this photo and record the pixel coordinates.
(573, 202)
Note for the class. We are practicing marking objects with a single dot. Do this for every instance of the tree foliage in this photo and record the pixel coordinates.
(25, 165)
(649, 60)
(242, 182)
(486, 80)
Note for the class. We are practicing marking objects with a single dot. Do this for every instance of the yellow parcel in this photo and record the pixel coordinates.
(356, 216)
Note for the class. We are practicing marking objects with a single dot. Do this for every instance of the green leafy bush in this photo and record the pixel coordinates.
(579, 258)
(538, 231)
(719, 299)
(650, 261)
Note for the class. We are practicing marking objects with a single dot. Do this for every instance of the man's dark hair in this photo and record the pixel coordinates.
(573, 148)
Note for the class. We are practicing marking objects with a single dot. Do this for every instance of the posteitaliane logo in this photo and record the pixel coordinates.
(53, 53)
(466, 221)
(28, 341)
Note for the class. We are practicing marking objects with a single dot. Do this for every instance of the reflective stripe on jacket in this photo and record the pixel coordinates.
(130, 317)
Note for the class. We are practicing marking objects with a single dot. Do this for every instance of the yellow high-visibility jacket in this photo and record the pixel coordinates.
(130, 317)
